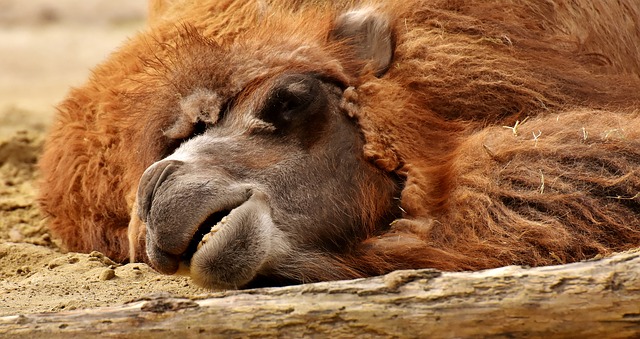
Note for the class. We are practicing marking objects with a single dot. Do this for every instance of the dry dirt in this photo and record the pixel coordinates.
(48, 46)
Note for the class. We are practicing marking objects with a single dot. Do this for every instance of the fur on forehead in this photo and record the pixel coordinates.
(200, 62)
(333, 43)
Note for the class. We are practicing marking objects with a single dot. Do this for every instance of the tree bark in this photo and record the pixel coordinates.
(599, 298)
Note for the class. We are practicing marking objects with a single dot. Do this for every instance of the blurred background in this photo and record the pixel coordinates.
(47, 46)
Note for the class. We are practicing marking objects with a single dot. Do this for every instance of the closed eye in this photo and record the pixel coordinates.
(290, 100)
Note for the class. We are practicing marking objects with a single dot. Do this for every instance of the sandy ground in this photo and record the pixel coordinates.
(47, 47)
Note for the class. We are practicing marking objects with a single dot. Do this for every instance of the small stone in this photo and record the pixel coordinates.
(97, 256)
(107, 274)
(15, 235)
(52, 265)
(24, 270)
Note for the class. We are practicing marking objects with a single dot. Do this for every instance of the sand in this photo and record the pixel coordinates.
(47, 47)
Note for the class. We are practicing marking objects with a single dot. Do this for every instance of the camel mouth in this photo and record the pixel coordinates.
(207, 229)
(236, 246)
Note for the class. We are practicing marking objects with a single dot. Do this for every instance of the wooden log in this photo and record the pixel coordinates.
(596, 299)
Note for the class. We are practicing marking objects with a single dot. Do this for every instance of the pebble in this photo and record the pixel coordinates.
(24, 270)
(107, 274)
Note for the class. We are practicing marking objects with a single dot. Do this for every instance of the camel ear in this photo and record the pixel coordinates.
(370, 35)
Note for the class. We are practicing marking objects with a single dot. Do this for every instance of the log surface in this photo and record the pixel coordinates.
(599, 298)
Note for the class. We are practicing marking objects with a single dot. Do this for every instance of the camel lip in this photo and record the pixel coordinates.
(239, 249)
(210, 225)
(177, 228)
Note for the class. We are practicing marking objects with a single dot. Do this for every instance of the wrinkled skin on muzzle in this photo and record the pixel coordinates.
(271, 192)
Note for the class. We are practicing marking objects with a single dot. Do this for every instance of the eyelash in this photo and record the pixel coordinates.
(260, 126)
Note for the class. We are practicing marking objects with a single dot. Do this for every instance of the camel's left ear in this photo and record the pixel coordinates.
(370, 34)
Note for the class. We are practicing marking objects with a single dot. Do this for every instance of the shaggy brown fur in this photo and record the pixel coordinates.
(514, 125)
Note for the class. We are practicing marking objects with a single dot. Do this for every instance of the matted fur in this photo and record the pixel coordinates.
(514, 125)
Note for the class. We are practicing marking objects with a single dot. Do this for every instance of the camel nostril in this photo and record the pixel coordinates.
(152, 178)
